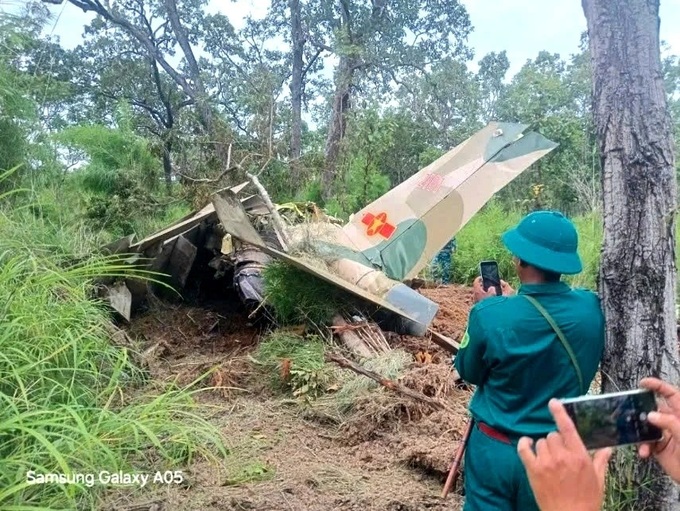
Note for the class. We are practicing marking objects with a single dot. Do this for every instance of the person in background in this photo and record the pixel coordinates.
(521, 350)
(442, 262)
(563, 475)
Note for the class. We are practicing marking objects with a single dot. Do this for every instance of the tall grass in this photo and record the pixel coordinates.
(71, 402)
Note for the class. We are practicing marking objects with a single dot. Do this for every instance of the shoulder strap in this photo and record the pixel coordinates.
(562, 338)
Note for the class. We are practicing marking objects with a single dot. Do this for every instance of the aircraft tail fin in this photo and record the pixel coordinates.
(402, 230)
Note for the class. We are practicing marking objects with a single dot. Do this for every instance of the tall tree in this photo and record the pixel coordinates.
(549, 93)
(297, 39)
(637, 275)
(111, 69)
(380, 42)
(492, 70)
(133, 16)
(446, 102)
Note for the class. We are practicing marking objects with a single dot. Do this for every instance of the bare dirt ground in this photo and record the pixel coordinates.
(394, 456)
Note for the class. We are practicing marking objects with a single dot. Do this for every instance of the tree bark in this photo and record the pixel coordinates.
(167, 164)
(298, 45)
(202, 102)
(337, 125)
(637, 274)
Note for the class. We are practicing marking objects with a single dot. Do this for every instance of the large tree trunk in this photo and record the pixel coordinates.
(337, 125)
(637, 276)
(298, 44)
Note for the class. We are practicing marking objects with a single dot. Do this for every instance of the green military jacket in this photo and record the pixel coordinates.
(513, 356)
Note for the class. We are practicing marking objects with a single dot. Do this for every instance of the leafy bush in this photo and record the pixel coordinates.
(298, 297)
(480, 240)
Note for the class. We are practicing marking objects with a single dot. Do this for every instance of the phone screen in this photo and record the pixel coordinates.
(614, 419)
(490, 276)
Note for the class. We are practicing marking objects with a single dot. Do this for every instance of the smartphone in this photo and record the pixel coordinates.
(609, 420)
(490, 276)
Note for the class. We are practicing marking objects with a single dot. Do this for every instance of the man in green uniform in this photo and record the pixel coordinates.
(521, 350)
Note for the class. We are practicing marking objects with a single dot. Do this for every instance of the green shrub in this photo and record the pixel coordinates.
(296, 364)
(590, 242)
(480, 240)
(298, 297)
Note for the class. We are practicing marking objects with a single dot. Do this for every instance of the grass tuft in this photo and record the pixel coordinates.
(71, 401)
(295, 364)
(298, 297)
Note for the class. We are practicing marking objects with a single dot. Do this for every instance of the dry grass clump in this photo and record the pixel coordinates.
(433, 380)
(363, 409)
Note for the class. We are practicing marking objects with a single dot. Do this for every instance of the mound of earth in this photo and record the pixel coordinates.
(392, 454)
(454, 305)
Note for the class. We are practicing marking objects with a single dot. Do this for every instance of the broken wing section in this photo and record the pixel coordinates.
(366, 283)
(402, 230)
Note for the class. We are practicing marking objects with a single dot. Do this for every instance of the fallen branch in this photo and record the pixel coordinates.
(279, 226)
(444, 342)
(390, 384)
(224, 173)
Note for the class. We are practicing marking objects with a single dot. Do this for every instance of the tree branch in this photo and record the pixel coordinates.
(390, 384)
(96, 7)
(319, 51)
(224, 173)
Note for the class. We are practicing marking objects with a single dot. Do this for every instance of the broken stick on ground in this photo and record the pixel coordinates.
(385, 382)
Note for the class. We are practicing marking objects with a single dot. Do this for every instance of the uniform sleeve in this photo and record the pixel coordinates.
(470, 360)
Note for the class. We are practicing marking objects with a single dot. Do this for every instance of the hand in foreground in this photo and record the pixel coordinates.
(479, 293)
(667, 450)
(563, 476)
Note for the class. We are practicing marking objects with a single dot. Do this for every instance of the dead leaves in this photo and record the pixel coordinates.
(424, 357)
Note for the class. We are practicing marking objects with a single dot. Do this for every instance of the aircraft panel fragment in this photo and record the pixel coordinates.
(401, 231)
(356, 279)
(182, 260)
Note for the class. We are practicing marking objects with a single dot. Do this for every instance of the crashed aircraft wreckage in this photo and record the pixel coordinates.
(387, 242)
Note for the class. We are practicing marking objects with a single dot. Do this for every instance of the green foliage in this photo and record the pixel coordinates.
(553, 96)
(622, 485)
(117, 210)
(72, 402)
(298, 297)
(480, 240)
(370, 140)
(110, 151)
(121, 175)
(589, 228)
(295, 364)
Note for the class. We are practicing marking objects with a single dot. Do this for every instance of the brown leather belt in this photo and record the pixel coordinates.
(493, 433)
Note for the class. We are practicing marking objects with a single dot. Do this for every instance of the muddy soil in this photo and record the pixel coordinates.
(394, 457)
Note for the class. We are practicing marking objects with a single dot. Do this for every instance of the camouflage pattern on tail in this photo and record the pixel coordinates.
(401, 231)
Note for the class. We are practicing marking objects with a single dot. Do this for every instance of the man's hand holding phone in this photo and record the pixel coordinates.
(479, 293)
(667, 450)
(561, 472)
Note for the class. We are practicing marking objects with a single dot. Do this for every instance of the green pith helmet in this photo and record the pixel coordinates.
(547, 240)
